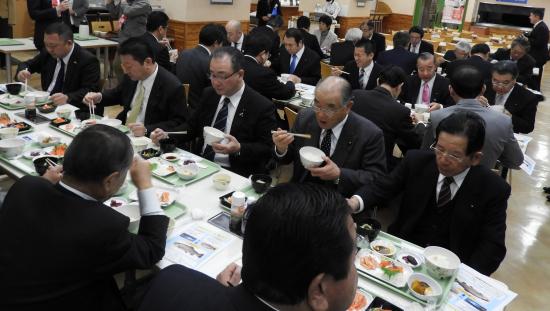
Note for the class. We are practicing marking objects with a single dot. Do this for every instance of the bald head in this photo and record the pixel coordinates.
(334, 85)
(234, 30)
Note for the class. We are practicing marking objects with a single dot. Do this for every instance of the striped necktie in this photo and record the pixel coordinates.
(445, 192)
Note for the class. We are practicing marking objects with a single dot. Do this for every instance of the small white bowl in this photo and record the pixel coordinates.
(187, 171)
(8, 132)
(402, 255)
(63, 112)
(377, 244)
(12, 147)
(421, 108)
(307, 99)
(212, 135)
(131, 211)
(311, 156)
(171, 157)
(436, 289)
(440, 262)
(89, 122)
(140, 143)
(40, 96)
(221, 181)
(110, 122)
(46, 140)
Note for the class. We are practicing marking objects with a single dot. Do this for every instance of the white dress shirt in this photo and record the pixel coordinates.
(147, 84)
(207, 50)
(239, 44)
(149, 204)
(455, 185)
(58, 67)
(298, 57)
(223, 159)
(336, 131)
(415, 49)
(431, 85)
(366, 76)
(503, 98)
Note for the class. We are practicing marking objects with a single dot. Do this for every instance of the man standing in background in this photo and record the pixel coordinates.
(76, 12)
(43, 14)
(538, 39)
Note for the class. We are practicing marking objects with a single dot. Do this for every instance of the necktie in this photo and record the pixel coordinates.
(426, 94)
(362, 77)
(221, 119)
(325, 144)
(58, 86)
(499, 100)
(445, 192)
(136, 104)
(293, 64)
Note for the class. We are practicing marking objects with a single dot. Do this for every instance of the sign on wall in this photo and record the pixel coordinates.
(453, 11)
(514, 1)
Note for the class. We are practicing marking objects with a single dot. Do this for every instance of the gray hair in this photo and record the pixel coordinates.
(234, 24)
(524, 43)
(463, 46)
(353, 34)
(336, 84)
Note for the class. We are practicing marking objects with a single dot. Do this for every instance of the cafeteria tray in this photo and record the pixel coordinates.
(123, 128)
(248, 191)
(21, 163)
(446, 284)
(206, 168)
(8, 41)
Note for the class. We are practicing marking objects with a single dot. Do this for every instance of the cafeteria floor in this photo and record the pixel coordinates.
(526, 268)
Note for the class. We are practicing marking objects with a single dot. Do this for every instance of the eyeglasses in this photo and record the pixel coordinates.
(327, 111)
(214, 77)
(449, 156)
(505, 83)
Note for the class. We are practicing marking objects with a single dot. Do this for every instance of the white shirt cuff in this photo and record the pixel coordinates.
(361, 204)
(149, 204)
(280, 155)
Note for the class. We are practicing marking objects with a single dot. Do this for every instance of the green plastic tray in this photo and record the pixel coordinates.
(174, 180)
(22, 164)
(173, 210)
(446, 284)
(7, 41)
(123, 128)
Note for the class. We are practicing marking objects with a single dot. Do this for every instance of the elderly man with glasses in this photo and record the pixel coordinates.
(500, 144)
(446, 198)
(353, 146)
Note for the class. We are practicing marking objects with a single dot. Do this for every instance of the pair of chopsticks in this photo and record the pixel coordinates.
(307, 136)
(176, 133)
(341, 71)
(91, 108)
(26, 69)
(51, 163)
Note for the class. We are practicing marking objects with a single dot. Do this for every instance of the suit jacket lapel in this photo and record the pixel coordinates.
(345, 142)
(73, 62)
(508, 105)
(240, 113)
(416, 83)
(156, 91)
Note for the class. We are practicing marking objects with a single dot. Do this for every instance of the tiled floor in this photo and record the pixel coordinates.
(526, 268)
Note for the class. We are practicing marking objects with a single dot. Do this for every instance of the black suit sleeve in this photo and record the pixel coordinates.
(34, 65)
(113, 96)
(524, 121)
(177, 110)
(38, 14)
(131, 251)
(406, 133)
(89, 74)
(539, 38)
(490, 250)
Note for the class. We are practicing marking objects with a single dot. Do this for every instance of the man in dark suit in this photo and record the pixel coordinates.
(83, 242)
(416, 44)
(303, 23)
(449, 200)
(264, 11)
(538, 39)
(152, 97)
(518, 53)
(500, 143)
(308, 263)
(342, 52)
(461, 51)
(378, 39)
(244, 115)
(427, 86)
(381, 107)
(299, 61)
(192, 65)
(155, 36)
(353, 146)
(271, 30)
(262, 79)
(519, 103)
(362, 72)
(479, 59)
(67, 70)
(399, 55)
(235, 34)
(44, 14)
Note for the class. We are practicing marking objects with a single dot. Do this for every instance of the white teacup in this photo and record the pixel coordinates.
(221, 181)
(29, 99)
(421, 108)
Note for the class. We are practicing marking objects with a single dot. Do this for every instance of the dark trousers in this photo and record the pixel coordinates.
(538, 79)
(5, 32)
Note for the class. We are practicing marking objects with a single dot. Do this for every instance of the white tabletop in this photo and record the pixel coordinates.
(28, 44)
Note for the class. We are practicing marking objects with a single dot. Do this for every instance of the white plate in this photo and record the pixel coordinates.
(171, 157)
(172, 197)
(376, 244)
(28, 154)
(115, 202)
(419, 258)
(164, 170)
(69, 127)
(368, 299)
(398, 280)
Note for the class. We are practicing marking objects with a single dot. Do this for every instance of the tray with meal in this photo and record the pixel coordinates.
(393, 263)
(16, 102)
(32, 156)
(179, 168)
(6, 122)
(365, 301)
(225, 200)
(66, 126)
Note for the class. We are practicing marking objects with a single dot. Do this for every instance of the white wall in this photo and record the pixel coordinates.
(202, 10)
